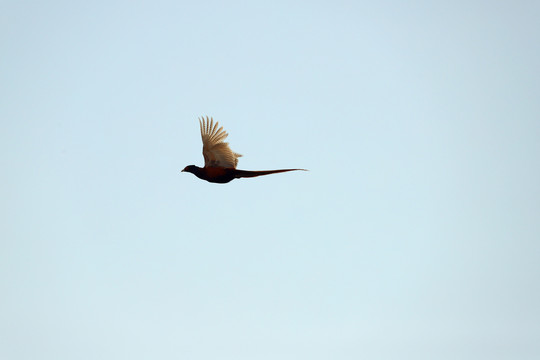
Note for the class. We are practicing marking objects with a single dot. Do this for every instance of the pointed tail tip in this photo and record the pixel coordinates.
(283, 170)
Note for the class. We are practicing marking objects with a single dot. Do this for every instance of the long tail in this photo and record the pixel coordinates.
(245, 173)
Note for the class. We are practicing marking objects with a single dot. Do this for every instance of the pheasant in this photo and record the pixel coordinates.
(219, 160)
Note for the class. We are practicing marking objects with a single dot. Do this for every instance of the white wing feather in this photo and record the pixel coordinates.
(216, 152)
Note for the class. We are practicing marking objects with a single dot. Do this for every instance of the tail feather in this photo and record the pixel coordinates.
(246, 173)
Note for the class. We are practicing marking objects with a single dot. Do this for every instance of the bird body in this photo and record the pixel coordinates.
(225, 175)
(219, 160)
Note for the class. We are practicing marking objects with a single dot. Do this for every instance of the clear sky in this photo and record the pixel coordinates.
(415, 234)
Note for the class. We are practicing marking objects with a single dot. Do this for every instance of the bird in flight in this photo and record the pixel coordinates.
(219, 160)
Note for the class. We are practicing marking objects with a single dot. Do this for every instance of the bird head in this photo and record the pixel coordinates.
(190, 168)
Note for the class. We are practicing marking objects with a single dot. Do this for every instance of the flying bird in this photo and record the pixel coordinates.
(219, 160)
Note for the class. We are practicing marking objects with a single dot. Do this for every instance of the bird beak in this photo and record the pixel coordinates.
(183, 170)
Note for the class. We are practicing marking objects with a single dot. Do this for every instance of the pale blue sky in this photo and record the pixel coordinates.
(415, 235)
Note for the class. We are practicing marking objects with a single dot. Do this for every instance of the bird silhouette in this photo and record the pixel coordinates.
(219, 160)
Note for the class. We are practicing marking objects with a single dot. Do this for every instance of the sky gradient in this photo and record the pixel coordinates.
(415, 234)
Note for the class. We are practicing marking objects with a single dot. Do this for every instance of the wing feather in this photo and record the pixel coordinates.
(216, 152)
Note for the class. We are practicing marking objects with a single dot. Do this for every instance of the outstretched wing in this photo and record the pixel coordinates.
(216, 152)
